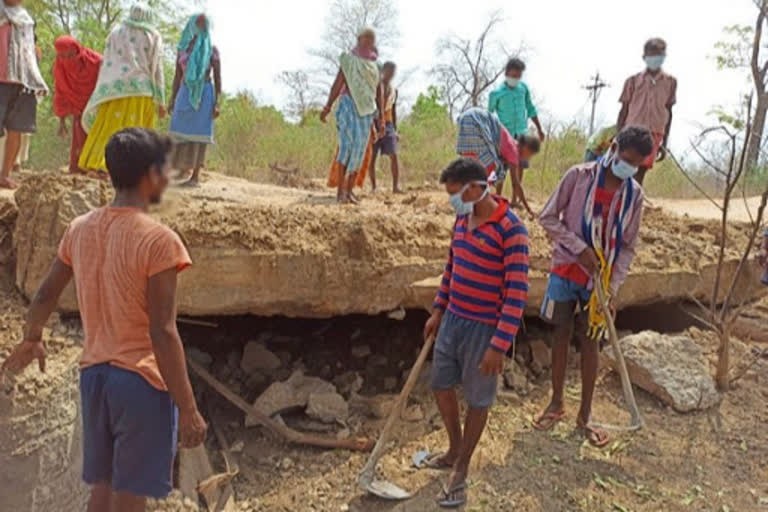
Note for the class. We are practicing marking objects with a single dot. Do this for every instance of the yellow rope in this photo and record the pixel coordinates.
(597, 320)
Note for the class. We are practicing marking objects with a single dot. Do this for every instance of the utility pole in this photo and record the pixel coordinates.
(594, 88)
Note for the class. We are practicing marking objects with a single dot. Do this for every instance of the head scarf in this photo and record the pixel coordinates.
(75, 77)
(22, 61)
(198, 57)
(133, 64)
(371, 54)
(140, 16)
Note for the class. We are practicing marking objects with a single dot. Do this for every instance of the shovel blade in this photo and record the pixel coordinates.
(387, 490)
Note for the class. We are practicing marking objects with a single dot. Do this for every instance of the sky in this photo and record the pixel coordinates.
(568, 42)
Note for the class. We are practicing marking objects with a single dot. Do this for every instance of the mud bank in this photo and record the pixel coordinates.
(40, 434)
(265, 250)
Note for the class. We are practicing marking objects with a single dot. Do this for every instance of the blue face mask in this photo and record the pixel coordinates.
(654, 62)
(619, 167)
(462, 207)
(512, 82)
(623, 170)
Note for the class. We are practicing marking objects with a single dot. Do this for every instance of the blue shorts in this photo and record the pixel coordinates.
(562, 299)
(129, 432)
(459, 349)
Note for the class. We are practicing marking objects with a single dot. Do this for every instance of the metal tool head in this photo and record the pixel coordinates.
(384, 489)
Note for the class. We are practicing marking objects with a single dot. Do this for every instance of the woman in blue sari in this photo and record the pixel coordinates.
(357, 89)
(195, 100)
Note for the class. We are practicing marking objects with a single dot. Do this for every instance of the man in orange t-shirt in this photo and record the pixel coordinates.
(134, 387)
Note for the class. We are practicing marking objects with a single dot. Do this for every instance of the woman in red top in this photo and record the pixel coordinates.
(75, 72)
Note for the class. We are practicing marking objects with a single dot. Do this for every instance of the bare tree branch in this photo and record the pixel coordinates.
(303, 95)
(467, 68)
(344, 21)
(690, 179)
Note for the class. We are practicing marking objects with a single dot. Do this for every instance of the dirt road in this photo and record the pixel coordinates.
(704, 209)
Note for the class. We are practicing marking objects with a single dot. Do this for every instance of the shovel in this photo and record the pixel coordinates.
(366, 480)
(636, 422)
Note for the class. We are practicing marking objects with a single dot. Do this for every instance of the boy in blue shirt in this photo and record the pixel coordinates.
(512, 102)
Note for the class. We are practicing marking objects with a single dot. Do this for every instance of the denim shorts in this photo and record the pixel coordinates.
(129, 432)
(563, 300)
(459, 349)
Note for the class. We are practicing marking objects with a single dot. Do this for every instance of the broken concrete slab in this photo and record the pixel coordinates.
(268, 250)
(673, 368)
(256, 248)
(257, 357)
(327, 407)
(289, 395)
(348, 383)
(202, 358)
(515, 379)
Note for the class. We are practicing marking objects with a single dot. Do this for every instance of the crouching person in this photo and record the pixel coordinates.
(593, 219)
(477, 313)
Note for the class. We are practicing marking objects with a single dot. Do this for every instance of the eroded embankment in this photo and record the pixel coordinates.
(40, 450)
(267, 250)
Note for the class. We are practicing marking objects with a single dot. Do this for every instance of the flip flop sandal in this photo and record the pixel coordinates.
(546, 421)
(596, 437)
(427, 460)
(454, 497)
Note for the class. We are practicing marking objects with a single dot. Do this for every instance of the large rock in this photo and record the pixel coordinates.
(289, 395)
(673, 368)
(267, 250)
(327, 407)
(258, 357)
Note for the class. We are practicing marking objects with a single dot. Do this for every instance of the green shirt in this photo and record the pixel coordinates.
(601, 140)
(514, 107)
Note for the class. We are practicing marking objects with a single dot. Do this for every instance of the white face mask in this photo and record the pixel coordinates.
(462, 207)
(512, 82)
(619, 167)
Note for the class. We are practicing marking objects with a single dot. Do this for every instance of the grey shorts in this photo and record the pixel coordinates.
(18, 109)
(460, 347)
(387, 145)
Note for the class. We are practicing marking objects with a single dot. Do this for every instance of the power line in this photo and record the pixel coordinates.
(594, 88)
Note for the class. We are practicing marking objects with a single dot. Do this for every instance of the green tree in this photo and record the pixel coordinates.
(428, 106)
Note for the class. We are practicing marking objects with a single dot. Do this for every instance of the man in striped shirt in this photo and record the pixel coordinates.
(477, 313)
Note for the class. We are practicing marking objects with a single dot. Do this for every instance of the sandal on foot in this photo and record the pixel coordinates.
(547, 420)
(597, 437)
(190, 183)
(427, 460)
(454, 497)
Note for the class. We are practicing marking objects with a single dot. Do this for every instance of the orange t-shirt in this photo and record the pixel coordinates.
(113, 252)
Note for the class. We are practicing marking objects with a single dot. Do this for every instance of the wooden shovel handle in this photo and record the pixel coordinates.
(290, 435)
(626, 384)
(397, 410)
